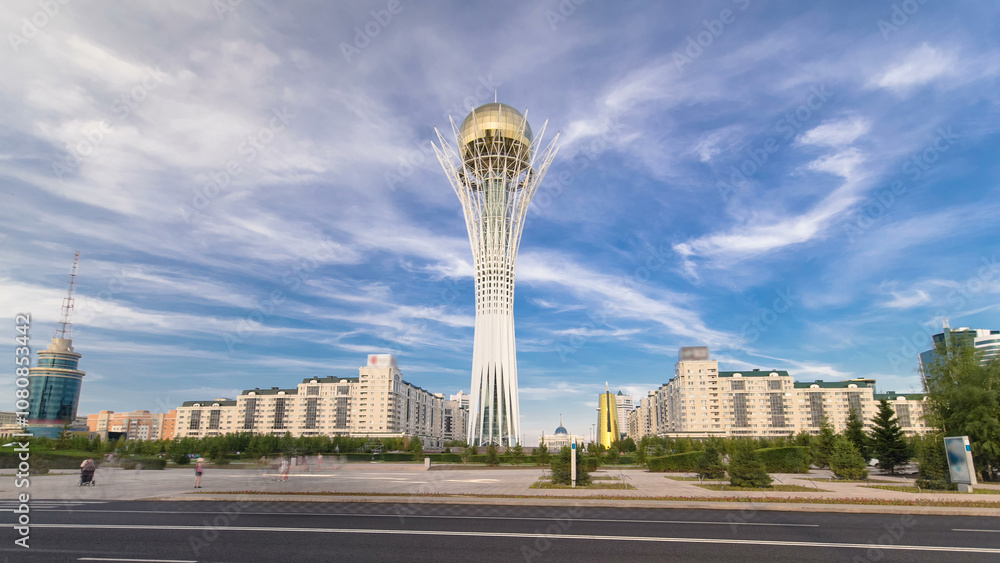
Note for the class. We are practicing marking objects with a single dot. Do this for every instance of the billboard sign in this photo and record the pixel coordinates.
(694, 353)
(960, 466)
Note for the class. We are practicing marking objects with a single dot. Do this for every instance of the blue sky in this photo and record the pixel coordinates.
(805, 189)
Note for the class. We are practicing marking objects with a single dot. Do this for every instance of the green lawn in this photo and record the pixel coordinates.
(905, 489)
(828, 480)
(542, 484)
(784, 488)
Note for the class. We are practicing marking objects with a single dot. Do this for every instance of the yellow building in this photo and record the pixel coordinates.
(607, 419)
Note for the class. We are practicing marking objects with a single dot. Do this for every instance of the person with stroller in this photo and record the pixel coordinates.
(87, 469)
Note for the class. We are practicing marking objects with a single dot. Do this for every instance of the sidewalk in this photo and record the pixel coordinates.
(403, 482)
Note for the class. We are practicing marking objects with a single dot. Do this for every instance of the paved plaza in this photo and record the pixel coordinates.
(412, 479)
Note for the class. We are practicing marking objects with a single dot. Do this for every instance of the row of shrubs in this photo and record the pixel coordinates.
(457, 458)
(41, 463)
(792, 459)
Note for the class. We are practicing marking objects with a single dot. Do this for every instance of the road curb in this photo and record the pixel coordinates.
(608, 503)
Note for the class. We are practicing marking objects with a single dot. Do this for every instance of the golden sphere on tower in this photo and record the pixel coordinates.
(495, 130)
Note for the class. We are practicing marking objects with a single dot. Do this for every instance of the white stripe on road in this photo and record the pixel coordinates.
(523, 536)
(138, 560)
(983, 531)
(403, 516)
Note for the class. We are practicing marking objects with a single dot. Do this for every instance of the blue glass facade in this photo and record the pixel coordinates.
(54, 385)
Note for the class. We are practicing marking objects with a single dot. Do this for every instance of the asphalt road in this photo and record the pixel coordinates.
(303, 531)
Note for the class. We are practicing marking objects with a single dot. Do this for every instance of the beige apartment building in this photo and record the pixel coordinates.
(700, 401)
(378, 403)
(138, 425)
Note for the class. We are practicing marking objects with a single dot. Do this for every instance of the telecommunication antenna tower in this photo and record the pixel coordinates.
(65, 328)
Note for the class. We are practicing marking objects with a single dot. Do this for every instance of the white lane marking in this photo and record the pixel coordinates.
(983, 531)
(523, 536)
(455, 517)
(140, 560)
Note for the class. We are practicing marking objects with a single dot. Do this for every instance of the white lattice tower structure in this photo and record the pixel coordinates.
(495, 168)
(65, 328)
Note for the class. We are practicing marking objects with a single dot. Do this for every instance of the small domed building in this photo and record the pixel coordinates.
(560, 438)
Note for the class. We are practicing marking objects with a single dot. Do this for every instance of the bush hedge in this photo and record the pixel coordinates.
(937, 485)
(55, 460)
(675, 462)
(792, 459)
(145, 462)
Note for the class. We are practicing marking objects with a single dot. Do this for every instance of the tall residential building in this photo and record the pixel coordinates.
(984, 339)
(641, 419)
(54, 384)
(137, 425)
(462, 398)
(624, 405)
(456, 418)
(495, 169)
(701, 401)
(378, 403)
(909, 409)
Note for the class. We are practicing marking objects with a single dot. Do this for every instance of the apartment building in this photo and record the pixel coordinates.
(909, 409)
(138, 425)
(700, 401)
(377, 403)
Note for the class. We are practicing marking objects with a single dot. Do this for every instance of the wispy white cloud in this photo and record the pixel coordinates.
(921, 66)
(835, 133)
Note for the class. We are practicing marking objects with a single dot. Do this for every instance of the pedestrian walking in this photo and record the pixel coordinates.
(283, 470)
(199, 467)
(319, 462)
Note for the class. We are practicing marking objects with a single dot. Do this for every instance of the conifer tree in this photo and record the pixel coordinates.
(855, 432)
(888, 445)
(745, 467)
(846, 461)
(541, 454)
(709, 463)
(492, 455)
(822, 446)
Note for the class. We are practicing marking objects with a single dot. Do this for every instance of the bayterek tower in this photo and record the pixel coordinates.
(495, 168)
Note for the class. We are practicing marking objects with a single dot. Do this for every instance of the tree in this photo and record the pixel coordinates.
(888, 445)
(855, 432)
(417, 447)
(516, 454)
(467, 453)
(287, 444)
(641, 451)
(65, 434)
(963, 396)
(745, 467)
(218, 455)
(541, 454)
(492, 455)
(932, 463)
(846, 461)
(822, 446)
(561, 468)
(709, 463)
(804, 438)
(628, 445)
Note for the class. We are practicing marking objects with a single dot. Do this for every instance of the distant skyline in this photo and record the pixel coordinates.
(802, 187)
